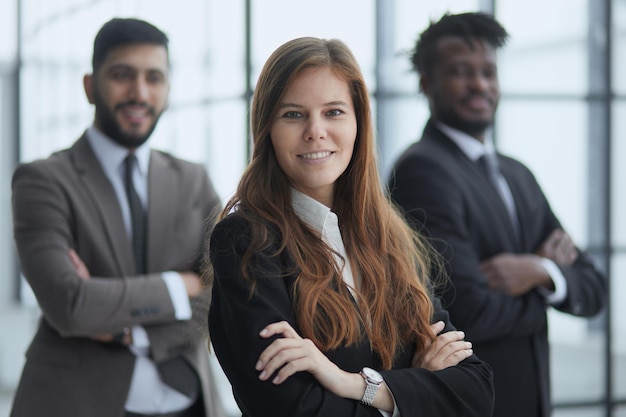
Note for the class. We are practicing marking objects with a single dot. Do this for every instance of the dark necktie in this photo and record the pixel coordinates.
(178, 374)
(490, 167)
(137, 215)
(175, 372)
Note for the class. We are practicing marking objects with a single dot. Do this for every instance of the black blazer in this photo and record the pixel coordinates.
(448, 198)
(236, 317)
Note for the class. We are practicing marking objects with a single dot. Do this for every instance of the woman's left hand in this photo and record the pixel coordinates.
(292, 353)
(448, 349)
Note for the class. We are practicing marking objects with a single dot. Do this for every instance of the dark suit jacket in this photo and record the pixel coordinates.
(236, 317)
(66, 201)
(447, 197)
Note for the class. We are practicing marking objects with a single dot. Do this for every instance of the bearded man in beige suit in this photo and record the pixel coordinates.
(111, 244)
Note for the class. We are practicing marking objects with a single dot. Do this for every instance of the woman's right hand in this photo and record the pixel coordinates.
(447, 350)
(290, 354)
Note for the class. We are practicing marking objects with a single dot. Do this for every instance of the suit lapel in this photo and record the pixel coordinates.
(483, 189)
(490, 194)
(496, 201)
(99, 189)
(163, 192)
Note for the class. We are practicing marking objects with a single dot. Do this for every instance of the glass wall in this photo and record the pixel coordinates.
(562, 113)
(618, 283)
(8, 144)
(617, 79)
(57, 42)
(402, 111)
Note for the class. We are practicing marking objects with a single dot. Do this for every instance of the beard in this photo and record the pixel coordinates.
(105, 119)
(472, 127)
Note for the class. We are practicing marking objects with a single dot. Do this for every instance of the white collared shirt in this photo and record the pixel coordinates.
(324, 221)
(474, 149)
(147, 393)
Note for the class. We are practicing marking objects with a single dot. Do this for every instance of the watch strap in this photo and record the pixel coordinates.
(370, 392)
(371, 386)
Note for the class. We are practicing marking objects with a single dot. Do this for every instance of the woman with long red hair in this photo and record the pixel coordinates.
(321, 303)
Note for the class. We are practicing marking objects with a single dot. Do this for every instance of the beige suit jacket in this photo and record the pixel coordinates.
(66, 201)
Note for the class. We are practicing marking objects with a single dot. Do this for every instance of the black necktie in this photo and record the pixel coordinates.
(178, 374)
(137, 215)
(488, 163)
(175, 372)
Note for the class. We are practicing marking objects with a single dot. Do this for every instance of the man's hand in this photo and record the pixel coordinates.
(81, 268)
(559, 247)
(515, 275)
(192, 282)
(124, 337)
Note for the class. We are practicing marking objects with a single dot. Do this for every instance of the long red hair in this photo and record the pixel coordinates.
(391, 260)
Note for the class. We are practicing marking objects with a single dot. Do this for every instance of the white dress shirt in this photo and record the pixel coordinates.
(324, 221)
(147, 394)
(474, 149)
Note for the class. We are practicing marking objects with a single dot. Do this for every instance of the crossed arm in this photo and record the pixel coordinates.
(516, 274)
(274, 371)
(292, 353)
(191, 280)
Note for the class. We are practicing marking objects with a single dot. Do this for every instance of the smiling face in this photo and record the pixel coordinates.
(463, 87)
(314, 132)
(130, 92)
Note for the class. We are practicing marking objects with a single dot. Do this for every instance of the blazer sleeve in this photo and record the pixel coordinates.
(586, 288)
(238, 313)
(44, 211)
(166, 338)
(462, 390)
(438, 206)
(586, 284)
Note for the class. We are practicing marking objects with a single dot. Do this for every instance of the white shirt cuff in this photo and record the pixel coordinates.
(141, 342)
(560, 284)
(178, 294)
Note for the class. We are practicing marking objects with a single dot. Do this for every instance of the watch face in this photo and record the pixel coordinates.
(372, 375)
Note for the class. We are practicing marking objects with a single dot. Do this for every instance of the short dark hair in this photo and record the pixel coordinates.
(465, 25)
(123, 31)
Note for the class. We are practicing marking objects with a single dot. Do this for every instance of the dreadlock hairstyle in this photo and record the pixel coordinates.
(394, 304)
(465, 25)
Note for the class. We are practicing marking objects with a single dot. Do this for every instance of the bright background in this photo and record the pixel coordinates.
(563, 110)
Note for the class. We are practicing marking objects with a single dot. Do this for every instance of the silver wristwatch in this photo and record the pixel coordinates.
(373, 379)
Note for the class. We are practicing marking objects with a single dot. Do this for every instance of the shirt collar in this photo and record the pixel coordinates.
(311, 211)
(111, 155)
(471, 147)
(324, 221)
